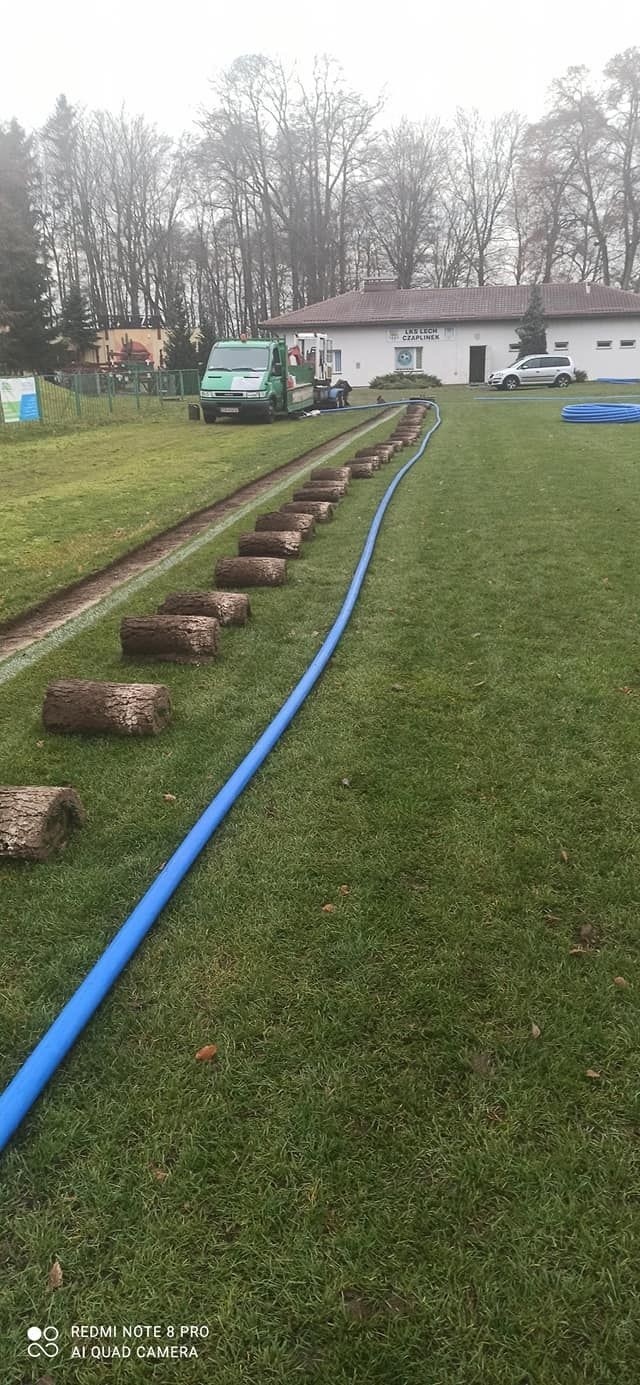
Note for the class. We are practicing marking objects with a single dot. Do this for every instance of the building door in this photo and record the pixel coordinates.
(477, 364)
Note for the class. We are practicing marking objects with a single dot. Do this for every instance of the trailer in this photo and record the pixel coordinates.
(263, 378)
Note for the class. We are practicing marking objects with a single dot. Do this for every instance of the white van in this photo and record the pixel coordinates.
(535, 370)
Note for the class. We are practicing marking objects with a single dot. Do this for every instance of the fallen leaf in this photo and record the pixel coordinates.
(345, 889)
(480, 1063)
(535, 1031)
(159, 1174)
(55, 1275)
(592, 1073)
(39, 744)
(495, 1113)
(564, 855)
(578, 951)
(551, 919)
(169, 798)
(207, 1054)
(586, 932)
(328, 908)
(346, 783)
(396, 687)
(620, 982)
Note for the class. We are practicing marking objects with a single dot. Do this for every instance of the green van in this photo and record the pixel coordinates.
(255, 379)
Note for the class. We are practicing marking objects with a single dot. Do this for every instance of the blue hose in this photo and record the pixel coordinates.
(601, 413)
(32, 1077)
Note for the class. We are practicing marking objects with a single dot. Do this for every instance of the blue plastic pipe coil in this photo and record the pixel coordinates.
(601, 413)
(32, 1077)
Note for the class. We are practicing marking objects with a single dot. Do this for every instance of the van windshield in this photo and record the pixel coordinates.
(239, 358)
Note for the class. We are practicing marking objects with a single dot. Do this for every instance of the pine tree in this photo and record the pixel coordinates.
(25, 342)
(533, 328)
(180, 353)
(75, 321)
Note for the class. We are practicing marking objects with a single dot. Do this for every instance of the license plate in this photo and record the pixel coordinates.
(229, 411)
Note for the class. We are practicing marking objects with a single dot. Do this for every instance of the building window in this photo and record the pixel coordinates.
(561, 345)
(357, 365)
(514, 345)
(449, 333)
(628, 341)
(418, 358)
(603, 345)
(337, 361)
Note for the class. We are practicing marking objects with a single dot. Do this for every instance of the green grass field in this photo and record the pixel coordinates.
(72, 501)
(385, 1177)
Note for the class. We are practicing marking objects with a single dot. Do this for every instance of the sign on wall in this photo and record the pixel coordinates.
(19, 399)
(416, 336)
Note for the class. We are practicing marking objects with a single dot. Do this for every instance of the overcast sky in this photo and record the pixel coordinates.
(158, 58)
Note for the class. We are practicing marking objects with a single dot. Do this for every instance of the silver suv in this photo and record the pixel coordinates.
(535, 370)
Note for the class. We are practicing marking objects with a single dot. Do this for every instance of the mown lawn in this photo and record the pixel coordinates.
(385, 1176)
(74, 500)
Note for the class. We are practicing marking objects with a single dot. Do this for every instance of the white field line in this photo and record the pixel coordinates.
(13, 664)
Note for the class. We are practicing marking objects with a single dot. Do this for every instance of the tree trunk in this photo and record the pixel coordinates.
(285, 544)
(171, 639)
(251, 572)
(229, 608)
(126, 709)
(36, 821)
(303, 524)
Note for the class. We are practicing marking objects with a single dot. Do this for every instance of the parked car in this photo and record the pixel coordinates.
(535, 370)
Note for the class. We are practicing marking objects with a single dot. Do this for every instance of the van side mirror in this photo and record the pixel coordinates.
(277, 368)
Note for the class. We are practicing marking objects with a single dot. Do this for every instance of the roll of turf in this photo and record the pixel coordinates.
(601, 413)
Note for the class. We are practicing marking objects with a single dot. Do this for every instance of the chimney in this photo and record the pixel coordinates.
(375, 285)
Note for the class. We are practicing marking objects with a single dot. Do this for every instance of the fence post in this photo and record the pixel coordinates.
(136, 377)
(110, 393)
(76, 389)
(181, 384)
(158, 394)
(39, 399)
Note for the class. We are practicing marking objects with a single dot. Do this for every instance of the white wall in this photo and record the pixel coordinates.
(369, 351)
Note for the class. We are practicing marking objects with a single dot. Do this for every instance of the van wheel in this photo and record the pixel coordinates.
(563, 382)
(511, 383)
(209, 418)
(268, 415)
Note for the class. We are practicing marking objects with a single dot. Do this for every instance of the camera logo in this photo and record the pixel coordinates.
(43, 1342)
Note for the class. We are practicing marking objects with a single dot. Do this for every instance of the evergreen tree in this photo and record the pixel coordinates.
(75, 321)
(533, 328)
(180, 353)
(25, 344)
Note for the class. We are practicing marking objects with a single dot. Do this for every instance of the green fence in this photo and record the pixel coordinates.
(104, 396)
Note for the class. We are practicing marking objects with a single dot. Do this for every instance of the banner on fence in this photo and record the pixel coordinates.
(19, 399)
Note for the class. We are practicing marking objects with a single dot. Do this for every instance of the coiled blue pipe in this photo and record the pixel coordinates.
(32, 1077)
(601, 413)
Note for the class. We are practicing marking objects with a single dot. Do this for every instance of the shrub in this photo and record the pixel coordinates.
(581, 376)
(401, 380)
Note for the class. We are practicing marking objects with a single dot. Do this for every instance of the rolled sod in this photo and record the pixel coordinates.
(251, 572)
(35, 821)
(285, 543)
(229, 608)
(170, 639)
(124, 709)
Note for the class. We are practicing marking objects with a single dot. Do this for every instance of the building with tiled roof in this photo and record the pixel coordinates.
(461, 334)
